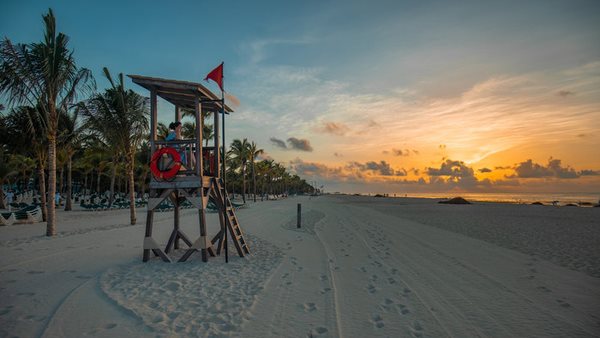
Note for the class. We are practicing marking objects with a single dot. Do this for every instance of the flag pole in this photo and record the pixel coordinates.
(223, 165)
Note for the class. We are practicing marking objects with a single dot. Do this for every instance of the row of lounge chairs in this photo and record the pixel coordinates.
(103, 205)
(28, 214)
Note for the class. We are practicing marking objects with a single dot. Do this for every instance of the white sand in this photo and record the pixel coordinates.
(359, 267)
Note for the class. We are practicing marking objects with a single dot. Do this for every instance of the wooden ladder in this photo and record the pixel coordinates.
(231, 220)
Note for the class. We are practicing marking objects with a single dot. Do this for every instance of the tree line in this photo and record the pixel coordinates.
(59, 133)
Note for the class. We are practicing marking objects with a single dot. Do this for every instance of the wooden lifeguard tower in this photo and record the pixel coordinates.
(198, 180)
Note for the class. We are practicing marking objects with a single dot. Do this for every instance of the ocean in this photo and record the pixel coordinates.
(547, 198)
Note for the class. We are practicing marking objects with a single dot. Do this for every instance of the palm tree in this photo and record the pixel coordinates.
(240, 155)
(143, 168)
(254, 151)
(70, 138)
(43, 75)
(120, 118)
(162, 131)
(6, 170)
(24, 165)
(26, 135)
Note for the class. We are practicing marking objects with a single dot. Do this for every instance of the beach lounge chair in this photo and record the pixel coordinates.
(30, 214)
(7, 218)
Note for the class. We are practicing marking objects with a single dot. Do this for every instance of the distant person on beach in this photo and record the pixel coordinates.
(57, 199)
(9, 198)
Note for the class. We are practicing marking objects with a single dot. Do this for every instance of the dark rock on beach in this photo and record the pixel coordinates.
(455, 200)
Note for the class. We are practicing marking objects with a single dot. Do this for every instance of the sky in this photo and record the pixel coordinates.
(371, 96)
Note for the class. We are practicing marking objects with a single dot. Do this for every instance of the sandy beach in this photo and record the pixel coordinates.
(358, 267)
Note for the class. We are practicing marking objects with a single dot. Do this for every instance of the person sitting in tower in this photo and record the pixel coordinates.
(175, 134)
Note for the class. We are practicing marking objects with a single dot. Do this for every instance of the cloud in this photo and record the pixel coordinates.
(451, 168)
(264, 156)
(334, 128)
(565, 93)
(401, 152)
(554, 169)
(278, 143)
(485, 170)
(351, 172)
(292, 144)
(258, 50)
(380, 168)
(456, 174)
(299, 144)
(373, 124)
(315, 169)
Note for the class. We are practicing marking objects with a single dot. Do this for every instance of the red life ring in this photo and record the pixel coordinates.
(170, 172)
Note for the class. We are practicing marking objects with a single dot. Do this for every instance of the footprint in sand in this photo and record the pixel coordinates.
(28, 294)
(377, 320)
(371, 288)
(35, 272)
(391, 280)
(406, 291)
(310, 307)
(317, 331)
(6, 310)
(402, 309)
(110, 326)
(543, 288)
(416, 329)
(385, 304)
(323, 277)
(325, 290)
(562, 303)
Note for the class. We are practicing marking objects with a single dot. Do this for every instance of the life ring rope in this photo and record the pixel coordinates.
(170, 172)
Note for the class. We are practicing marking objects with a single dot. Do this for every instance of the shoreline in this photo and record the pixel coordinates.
(589, 202)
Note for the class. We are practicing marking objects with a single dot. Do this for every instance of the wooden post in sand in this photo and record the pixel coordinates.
(298, 224)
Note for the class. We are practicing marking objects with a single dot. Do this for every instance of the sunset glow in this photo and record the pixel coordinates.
(504, 96)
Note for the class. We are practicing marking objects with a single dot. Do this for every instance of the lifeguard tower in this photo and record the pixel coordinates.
(197, 180)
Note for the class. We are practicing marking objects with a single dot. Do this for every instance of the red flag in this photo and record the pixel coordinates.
(216, 75)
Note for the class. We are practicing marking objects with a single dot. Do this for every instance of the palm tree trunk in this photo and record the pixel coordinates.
(68, 206)
(113, 176)
(244, 183)
(85, 183)
(61, 179)
(51, 220)
(2, 205)
(98, 182)
(42, 187)
(130, 168)
(254, 180)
